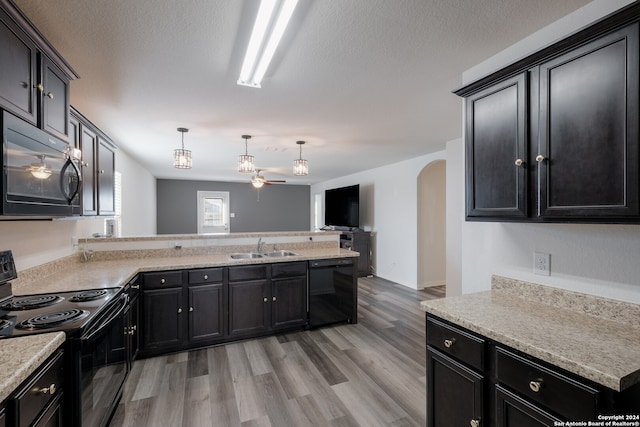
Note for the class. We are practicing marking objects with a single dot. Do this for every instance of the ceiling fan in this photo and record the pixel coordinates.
(259, 180)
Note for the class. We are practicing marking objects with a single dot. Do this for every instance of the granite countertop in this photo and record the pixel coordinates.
(21, 356)
(113, 273)
(595, 338)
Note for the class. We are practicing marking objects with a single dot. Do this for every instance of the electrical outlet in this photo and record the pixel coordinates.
(541, 263)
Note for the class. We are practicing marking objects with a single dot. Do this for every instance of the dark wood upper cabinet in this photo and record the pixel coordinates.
(588, 164)
(54, 100)
(554, 136)
(34, 82)
(496, 138)
(98, 166)
(18, 77)
(88, 144)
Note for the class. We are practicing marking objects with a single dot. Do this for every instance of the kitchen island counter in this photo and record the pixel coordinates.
(595, 338)
(21, 356)
(96, 274)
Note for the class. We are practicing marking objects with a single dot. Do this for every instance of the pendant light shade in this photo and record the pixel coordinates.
(300, 165)
(182, 157)
(246, 163)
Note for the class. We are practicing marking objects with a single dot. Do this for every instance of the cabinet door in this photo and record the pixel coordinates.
(206, 312)
(18, 76)
(163, 318)
(496, 149)
(513, 411)
(289, 302)
(454, 392)
(249, 307)
(106, 179)
(588, 137)
(88, 141)
(52, 417)
(54, 99)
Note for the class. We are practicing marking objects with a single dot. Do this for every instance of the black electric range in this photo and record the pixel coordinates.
(70, 312)
(96, 349)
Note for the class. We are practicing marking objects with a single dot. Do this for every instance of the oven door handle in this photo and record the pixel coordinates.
(104, 324)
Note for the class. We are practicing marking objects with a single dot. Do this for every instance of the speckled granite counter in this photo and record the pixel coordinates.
(596, 338)
(112, 273)
(20, 357)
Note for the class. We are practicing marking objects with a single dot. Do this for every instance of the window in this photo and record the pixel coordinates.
(213, 212)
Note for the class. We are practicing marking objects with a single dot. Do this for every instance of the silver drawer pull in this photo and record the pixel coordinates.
(206, 277)
(50, 390)
(474, 423)
(535, 386)
(449, 343)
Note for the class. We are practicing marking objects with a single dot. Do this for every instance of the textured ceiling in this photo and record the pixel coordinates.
(364, 82)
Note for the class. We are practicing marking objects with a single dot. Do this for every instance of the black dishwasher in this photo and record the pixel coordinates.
(333, 295)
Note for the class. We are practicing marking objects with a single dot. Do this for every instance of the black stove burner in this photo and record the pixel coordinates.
(31, 302)
(89, 295)
(51, 320)
(4, 324)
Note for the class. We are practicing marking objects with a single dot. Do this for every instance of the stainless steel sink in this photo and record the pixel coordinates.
(280, 253)
(246, 255)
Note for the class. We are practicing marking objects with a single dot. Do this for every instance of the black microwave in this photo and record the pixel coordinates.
(40, 174)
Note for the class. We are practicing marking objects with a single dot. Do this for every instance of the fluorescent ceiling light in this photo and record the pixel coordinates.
(264, 39)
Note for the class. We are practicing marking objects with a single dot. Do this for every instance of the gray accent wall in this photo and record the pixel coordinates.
(280, 207)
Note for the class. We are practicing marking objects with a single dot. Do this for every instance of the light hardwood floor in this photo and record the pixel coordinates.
(368, 374)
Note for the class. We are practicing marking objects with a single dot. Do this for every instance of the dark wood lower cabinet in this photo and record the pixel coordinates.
(513, 411)
(249, 308)
(163, 320)
(454, 392)
(474, 381)
(181, 310)
(38, 401)
(206, 312)
(267, 298)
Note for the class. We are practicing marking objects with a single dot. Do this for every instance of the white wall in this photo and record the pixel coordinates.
(389, 207)
(432, 232)
(595, 259)
(138, 197)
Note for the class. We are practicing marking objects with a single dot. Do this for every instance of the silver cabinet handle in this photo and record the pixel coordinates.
(519, 162)
(540, 158)
(162, 281)
(206, 277)
(50, 390)
(274, 298)
(179, 310)
(190, 308)
(474, 423)
(265, 299)
(449, 343)
(49, 95)
(535, 385)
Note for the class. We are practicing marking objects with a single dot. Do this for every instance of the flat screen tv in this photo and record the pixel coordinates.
(342, 207)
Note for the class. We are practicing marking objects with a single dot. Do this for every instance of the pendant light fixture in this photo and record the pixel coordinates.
(182, 157)
(300, 166)
(246, 163)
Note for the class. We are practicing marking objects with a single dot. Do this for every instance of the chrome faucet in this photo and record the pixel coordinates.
(260, 245)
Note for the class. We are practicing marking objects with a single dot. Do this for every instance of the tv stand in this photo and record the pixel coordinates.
(359, 241)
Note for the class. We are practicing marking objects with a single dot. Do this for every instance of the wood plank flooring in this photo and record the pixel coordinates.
(368, 374)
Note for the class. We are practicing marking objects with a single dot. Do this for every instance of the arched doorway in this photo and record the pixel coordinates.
(432, 225)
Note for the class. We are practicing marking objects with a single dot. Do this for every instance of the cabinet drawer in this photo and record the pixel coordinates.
(251, 272)
(162, 279)
(545, 387)
(40, 390)
(289, 269)
(205, 275)
(455, 342)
